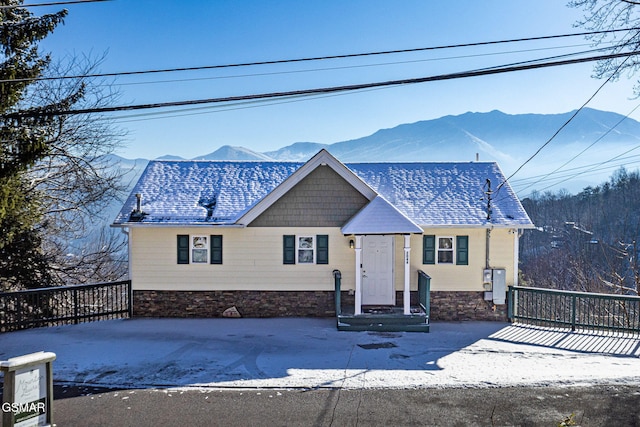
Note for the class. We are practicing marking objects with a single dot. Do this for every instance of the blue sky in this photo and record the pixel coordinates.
(154, 34)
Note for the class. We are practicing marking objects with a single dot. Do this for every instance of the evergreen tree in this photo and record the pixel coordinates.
(23, 141)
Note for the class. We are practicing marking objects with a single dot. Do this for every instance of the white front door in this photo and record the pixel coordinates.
(377, 270)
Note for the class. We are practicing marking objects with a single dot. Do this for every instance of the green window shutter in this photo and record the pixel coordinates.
(183, 249)
(429, 249)
(322, 246)
(288, 249)
(462, 250)
(216, 249)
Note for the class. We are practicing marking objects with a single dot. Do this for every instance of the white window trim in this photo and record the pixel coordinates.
(312, 248)
(192, 247)
(452, 250)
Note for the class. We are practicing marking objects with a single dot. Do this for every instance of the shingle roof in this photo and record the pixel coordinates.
(220, 192)
(445, 194)
(380, 217)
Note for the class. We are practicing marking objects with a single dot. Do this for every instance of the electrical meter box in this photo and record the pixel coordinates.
(487, 278)
(494, 282)
(487, 285)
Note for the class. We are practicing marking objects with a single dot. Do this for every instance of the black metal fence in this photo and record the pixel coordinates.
(64, 305)
(575, 310)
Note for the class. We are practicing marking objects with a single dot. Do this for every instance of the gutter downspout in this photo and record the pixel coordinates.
(487, 263)
(489, 194)
(516, 255)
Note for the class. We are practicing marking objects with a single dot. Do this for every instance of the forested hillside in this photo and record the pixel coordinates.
(587, 241)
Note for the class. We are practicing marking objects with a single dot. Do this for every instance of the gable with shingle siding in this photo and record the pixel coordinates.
(322, 199)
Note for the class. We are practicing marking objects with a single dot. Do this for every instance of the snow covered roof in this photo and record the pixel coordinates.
(446, 193)
(222, 192)
(380, 217)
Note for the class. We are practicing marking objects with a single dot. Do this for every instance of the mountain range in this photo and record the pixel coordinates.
(592, 135)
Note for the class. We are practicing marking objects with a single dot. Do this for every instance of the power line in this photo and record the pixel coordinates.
(54, 3)
(475, 73)
(618, 68)
(568, 173)
(584, 150)
(319, 58)
(254, 104)
(347, 67)
(181, 112)
(227, 107)
(565, 123)
(232, 106)
(589, 170)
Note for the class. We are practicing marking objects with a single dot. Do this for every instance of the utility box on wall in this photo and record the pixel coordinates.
(499, 286)
(495, 285)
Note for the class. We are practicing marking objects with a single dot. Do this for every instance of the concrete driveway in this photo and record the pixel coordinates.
(311, 354)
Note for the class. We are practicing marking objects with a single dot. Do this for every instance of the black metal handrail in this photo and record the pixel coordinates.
(424, 291)
(575, 310)
(337, 278)
(63, 305)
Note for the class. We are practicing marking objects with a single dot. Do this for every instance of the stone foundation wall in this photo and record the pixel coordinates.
(248, 303)
(453, 306)
(446, 306)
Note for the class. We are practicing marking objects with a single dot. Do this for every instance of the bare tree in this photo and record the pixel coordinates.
(101, 257)
(604, 16)
(78, 178)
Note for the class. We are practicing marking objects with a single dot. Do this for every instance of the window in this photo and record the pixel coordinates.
(199, 249)
(445, 250)
(305, 249)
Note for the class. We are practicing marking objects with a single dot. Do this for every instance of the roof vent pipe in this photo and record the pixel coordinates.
(137, 215)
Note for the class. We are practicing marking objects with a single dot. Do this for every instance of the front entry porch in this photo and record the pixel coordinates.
(374, 229)
(387, 318)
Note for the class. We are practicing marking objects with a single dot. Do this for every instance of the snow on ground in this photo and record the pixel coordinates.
(311, 353)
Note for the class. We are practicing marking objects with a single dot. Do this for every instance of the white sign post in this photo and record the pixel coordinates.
(28, 390)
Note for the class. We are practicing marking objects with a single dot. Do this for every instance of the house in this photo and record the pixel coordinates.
(276, 238)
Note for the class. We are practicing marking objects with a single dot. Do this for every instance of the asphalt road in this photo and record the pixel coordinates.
(517, 406)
